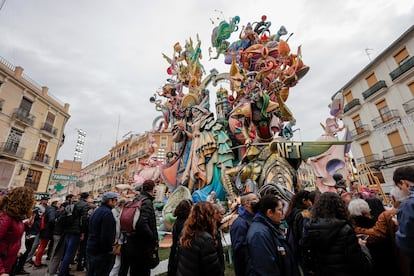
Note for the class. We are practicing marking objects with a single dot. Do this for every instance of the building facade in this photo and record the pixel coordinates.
(32, 123)
(379, 109)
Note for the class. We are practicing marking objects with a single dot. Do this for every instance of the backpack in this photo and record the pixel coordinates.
(129, 216)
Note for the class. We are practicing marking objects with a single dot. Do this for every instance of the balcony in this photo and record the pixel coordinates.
(41, 158)
(399, 153)
(49, 130)
(386, 118)
(354, 105)
(371, 160)
(11, 150)
(360, 132)
(23, 116)
(403, 70)
(376, 90)
(409, 106)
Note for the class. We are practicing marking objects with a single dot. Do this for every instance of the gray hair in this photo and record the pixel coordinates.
(358, 207)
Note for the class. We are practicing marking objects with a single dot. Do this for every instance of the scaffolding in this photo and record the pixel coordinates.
(366, 178)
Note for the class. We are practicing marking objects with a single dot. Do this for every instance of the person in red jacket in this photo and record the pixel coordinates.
(15, 206)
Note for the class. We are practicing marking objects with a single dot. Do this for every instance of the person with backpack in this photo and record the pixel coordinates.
(101, 237)
(74, 231)
(141, 248)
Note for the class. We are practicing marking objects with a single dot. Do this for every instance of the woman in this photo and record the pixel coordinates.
(329, 236)
(199, 249)
(15, 206)
(269, 251)
(296, 214)
(181, 212)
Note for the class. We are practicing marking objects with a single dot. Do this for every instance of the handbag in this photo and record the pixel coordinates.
(117, 249)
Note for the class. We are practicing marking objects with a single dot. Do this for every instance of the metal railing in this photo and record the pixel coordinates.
(24, 116)
(41, 157)
(49, 128)
(351, 104)
(374, 89)
(7, 63)
(372, 158)
(409, 106)
(398, 151)
(362, 130)
(404, 67)
(388, 116)
(12, 149)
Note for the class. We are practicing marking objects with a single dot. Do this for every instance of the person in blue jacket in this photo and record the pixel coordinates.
(269, 251)
(101, 238)
(404, 178)
(238, 233)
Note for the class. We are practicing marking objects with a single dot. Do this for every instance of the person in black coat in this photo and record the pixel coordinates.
(198, 251)
(329, 237)
(269, 251)
(101, 237)
(143, 243)
(181, 212)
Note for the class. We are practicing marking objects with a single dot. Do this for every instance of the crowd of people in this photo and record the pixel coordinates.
(333, 233)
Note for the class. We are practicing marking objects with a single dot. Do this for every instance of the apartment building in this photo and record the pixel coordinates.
(31, 130)
(379, 109)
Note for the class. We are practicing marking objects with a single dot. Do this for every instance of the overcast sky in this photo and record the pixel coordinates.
(103, 57)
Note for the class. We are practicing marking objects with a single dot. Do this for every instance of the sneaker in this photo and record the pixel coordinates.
(40, 266)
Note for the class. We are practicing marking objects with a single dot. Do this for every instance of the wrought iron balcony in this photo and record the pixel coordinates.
(48, 128)
(351, 105)
(402, 152)
(24, 116)
(369, 159)
(403, 68)
(12, 150)
(409, 106)
(387, 117)
(376, 89)
(360, 132)
(41, 158)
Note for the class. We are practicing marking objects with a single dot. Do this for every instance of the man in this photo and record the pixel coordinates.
(238, 233)
(101, 237)
(142, 244)
(75, 229)
(404, 179)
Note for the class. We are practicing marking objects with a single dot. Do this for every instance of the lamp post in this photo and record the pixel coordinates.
(80, 142)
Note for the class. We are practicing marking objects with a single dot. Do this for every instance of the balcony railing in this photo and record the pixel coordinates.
(360, 132)
(352, 104)
(49, 129)
(41, 157)
(409, 106)
(399, 151)
(387, 117)
(12, 149)
(404, 67)
(369, 159)
(24, 116)
(375, 89)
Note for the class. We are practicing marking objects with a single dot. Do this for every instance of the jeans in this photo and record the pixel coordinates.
(72, 242)
(100, 265)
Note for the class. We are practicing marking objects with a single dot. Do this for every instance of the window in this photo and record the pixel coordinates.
(384, 111)
(367, 152)
(348, 97)
(50, 120)
(371, 80)
(33, 179)
(358, 124)
(396, 143)
(41, 151)
(25, 106)
(13, 141)
(401, 56)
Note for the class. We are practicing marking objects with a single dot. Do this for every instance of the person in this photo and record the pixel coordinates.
(74, 231)
(375, 206)
(360, 213)
(403, 178)
(34, 235)
(389, 261)
(116, 212)
(238, 232)
(296, 214)
(331, 241)
(15, 206)
(199, 252)
(143, 243)
(58, 248)
(269, 251)
(181, 212)
(46, 231)
(101, 237)
(212, 197)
